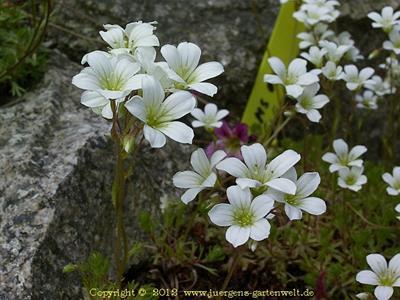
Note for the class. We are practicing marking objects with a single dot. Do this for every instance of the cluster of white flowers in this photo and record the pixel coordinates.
(156, 93)
(274, 181)
(328, 54)
(348, 164)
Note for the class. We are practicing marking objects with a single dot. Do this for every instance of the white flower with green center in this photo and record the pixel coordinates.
(386, 20)
(352, 179)
(310, 15)
(209, 118)
(319, 32)
(301, 200)
(202, 177)
(256, 173)
(393, 180)
(334, 53)
(355, 79)
(315, 55)
(367, 100)
(342, 158)
(113, 77)
(135, 35)
(185, 71)
(294, 78)
(159, 115)
(332, 72)
(384, 276)
(309, 102)
(378, 85)
(394, 43)
(244, 217)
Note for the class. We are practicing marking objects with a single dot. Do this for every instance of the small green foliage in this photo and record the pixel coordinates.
(21, 62)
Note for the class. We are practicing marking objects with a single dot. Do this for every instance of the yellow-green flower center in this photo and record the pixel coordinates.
(243, 217)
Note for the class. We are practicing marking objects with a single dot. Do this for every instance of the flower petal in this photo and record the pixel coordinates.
(283, 162)
(307, 184)
(367, 277)
(261, 206)
(237, 235)
(240, 199)
(383, 292)
(254, 156)
(233, 166)
(221, 214)
(283, 185)
(155, 137)
(377, 263)
(260, 230)
(312, 205)
(178, 131)
(190, 195)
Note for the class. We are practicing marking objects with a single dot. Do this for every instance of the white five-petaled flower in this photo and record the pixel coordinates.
(384, 276)
(378, 85)
(342, 158)
(332, 72)
(367, 100)
(319, 32)
(160, 115)
(294, 204)
(209, 118)
(310, 15)
(309, 102)
(185, 71)
(202, 177)
(394, 42)
(393, 180)
(352, 179)
(334, 52)
(386, 20)
(113, 77)
(256, 173)
(315, 55)
(244, 216)
(354, 79)
(294, 78)
(135, 35)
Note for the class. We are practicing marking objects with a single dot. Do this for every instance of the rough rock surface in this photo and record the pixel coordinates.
(56, 169)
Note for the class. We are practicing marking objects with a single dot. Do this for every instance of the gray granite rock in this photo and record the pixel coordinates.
(56, 170)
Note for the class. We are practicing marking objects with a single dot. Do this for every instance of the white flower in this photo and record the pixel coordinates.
(294, 79)
(159, 115)
(319, 32)
(301, 200)
(334, 52)
(202, 177)
(211, 117)
(383, 276)
(353, 54)
(394, 43)
(392, 66)
(378, 85)
(364, 296)
(185, 71)
(354, 79)
(386, 20)
(309, 102)
(310, 15)
(315, 55)
(342, 158)
(113, 77)
(393, 181)
(352, 179)
(244, 216)
(332, 72)
(256, 173)
(136, 34)
(367, 100)
(344, 38)
(146, 57)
